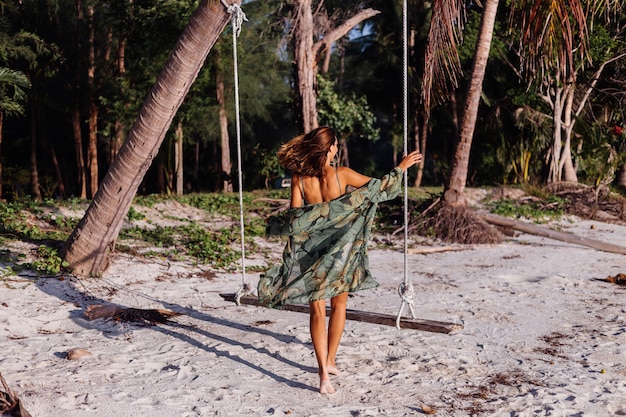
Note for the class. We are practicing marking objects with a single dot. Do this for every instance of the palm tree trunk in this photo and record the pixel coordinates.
(88, 247)
(458, 176)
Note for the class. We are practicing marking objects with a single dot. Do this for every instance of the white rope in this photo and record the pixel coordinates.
(406, 288)
(238, 17)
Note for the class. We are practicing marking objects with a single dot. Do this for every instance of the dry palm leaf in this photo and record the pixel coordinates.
(146, 316)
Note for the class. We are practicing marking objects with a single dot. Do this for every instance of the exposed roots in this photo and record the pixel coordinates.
(460, 225)
(10, 404)
(595, 203)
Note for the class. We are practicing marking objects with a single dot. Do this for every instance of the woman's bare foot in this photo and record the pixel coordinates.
(332, 369)
(326, 387)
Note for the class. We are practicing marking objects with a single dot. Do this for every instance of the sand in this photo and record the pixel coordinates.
(541, 336)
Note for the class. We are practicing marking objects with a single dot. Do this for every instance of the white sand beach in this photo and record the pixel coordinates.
(541, 336)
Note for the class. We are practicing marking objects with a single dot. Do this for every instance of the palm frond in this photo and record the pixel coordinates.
(442, 66)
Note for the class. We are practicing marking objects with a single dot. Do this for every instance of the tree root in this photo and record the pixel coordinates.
(460, 225)
(10, 404)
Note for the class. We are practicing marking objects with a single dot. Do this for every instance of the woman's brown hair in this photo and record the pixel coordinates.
(306, 154)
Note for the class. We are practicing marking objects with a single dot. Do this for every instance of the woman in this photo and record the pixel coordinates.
(326, 255)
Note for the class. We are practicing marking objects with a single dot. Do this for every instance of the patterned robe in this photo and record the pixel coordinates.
(326, 253)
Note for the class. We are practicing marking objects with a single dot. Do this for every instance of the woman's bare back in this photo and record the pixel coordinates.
(330, 186)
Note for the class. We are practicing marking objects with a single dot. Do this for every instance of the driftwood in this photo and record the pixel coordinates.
(619, 279)
(10, 404)
(150, 316)
(435, 249)
(364, 316)
(552, 234)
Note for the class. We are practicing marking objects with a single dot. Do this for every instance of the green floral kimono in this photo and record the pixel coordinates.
(326, 254)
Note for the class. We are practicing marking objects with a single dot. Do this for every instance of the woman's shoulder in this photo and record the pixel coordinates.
(350, 177)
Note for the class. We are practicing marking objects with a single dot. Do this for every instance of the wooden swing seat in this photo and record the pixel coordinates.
(364, 316)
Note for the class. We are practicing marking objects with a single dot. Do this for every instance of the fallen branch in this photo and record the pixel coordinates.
(436, 249)
(552, 234)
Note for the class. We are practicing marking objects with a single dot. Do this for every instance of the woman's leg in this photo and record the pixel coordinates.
(335, 329)
(317, 316)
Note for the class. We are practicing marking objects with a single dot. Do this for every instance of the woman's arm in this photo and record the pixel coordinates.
(354, 179)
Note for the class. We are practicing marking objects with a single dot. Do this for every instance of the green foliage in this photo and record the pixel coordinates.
(48, 261)
(270, 167)
(134, 214)
(13, 85)
(19, 220)
(540, 210)
(604, 151)
(211, 247)
(349, 115)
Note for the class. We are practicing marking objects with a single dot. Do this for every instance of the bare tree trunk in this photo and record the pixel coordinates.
(305, 66)
(421, 136)
(454, 194)
(196, 165)
(345, 158)
(227, 183)
(1, 126)
(78, 149)
(58, 172)
(569, 172)
(92, 149)
(178, 157)
(34, 173)
(88, 247)
(621, 177)
(120, 131)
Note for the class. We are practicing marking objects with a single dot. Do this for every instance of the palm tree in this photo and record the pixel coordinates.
(550, 32)
(12, 97)
(88, 247)
(554, 44)
(453, 194)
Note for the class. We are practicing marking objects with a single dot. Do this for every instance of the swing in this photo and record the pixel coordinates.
(244, 294)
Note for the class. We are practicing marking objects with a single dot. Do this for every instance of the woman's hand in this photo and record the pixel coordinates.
(409, 160)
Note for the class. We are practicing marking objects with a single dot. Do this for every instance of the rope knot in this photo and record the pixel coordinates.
(407, 293)
(244, 290)
(238, 16)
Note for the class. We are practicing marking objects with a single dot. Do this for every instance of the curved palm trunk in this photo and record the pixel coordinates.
(89, 245)
(458, 176)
